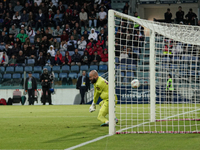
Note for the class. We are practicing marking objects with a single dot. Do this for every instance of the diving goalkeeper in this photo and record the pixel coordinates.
(100, 90)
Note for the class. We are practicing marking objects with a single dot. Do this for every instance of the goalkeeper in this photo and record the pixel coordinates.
(100, 90)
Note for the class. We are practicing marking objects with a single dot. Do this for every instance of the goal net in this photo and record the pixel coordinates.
(165, 59)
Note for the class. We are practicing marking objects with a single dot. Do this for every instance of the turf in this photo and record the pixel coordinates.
(60, 127)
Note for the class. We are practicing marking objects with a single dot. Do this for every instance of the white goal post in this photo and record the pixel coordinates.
(164, 58)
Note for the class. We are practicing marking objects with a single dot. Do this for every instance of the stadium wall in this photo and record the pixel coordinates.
(62, 96)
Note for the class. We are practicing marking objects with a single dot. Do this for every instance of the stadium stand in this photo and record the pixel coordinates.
(34, 39)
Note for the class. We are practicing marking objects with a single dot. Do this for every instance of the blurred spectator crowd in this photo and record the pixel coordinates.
(52, 32)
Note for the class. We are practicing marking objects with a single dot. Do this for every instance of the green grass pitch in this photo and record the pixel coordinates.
(60, 127)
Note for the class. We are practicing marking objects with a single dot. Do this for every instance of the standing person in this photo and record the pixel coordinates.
(169, 89)
(100, 90)
(83, 85)
(168, 16)
(137, 16)
(190, 17)
(179, 15)
(46, 84)
(31, 87)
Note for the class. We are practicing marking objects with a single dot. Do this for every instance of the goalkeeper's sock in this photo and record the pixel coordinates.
(105, 124)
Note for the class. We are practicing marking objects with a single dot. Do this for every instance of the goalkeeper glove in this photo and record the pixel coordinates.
(92, 107)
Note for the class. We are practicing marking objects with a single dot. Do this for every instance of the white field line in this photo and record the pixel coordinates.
(101, 137)
(88, 142)
(49, 117)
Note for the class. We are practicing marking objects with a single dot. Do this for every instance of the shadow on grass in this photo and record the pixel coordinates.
(84, 134)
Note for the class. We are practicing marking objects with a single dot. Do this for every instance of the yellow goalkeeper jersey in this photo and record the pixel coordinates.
(100, 89)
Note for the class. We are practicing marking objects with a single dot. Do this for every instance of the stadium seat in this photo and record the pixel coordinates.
(73, 75)
(23, 75)
(16, 76)
(93, 67)
(136, 51)
(58, 40)
(194, 58)
(19, 69)
(75, 68)
(130, 74)
(174, 66)
(62, 75)
(84, 67)
(140, 74)
(147, 38)
(175, 59)
(166, 59)
(71, 53)
(30, 62)
(63, 53)
(116, 60)
(183, 73)
(183, 66)
(2, 69)
(32, 40)
(122, 67)
(100, 73)
(55, 76)
(17, 80)
(10, 69)
(186, 58)
(165, 66)
(64, 78)
(37, 69)
(131, 67)
(7, 76)
(36, 76)
(28, 69)
(56, 69)
(65, 69)
(81, 52)
(123, 61)
(122, 74)
(146, 74)
(193, 67)
(126, 61)
(48, 68)
(103, 68)
(6, 80)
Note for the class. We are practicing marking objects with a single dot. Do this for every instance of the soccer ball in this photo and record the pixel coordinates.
(135, 83)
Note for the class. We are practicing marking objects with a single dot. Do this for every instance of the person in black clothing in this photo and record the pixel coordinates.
(85, 58)
(46, 84)
(179, 15)
(20, 59)
(40, 61)
(126, 7)
(168, 16)
(30, 87)
(40, 20)
(76, 58)
(190, 17)
(85, 34)
(3, 38)
(83, 84)
(33, 52)
(95, 59)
